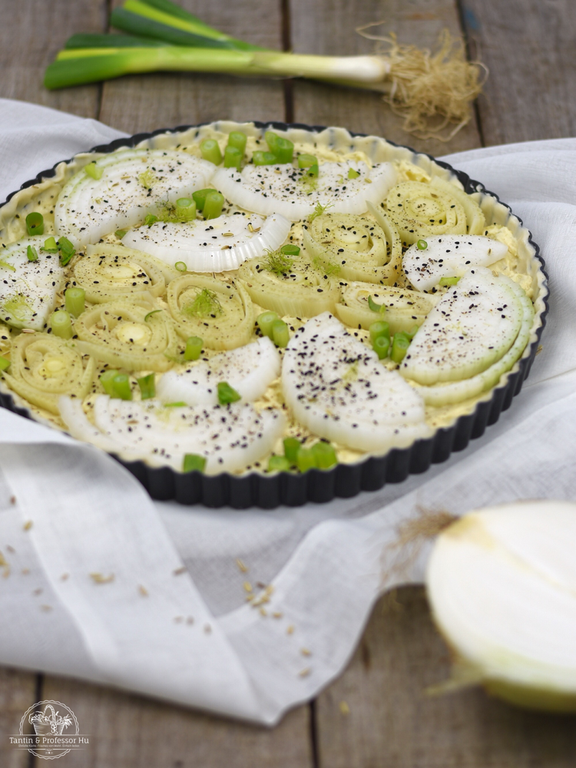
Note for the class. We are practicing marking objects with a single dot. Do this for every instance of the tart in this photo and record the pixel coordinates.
(250, 314)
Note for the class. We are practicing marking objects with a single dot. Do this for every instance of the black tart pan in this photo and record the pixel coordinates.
(344, 480)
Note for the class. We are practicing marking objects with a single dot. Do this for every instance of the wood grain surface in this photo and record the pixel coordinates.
(378, 714)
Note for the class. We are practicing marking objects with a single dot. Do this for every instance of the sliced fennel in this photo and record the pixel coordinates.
(283, 189)
(229, 437)
(44, 367)
(219, 312)
(109, 272)
(249, 370)
(449, 256)
(449, 393)
(402, 308)
(216, 245)
(502, 586)
(354, 247)
(475, 324)
(132, 183)
(337, 388)
(127, 334)
(28, 289)
(299, 290)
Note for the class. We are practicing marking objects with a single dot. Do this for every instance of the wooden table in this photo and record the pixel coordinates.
(377, 713)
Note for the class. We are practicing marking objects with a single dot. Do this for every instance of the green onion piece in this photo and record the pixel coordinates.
(412, 332)
(376, 307)
(263, 158)
(199, 197)
(281, 148)
(107, 381)
(237, 139)
(381, 345)
(325, 455)
(35, 223)
(447, 281)
(193, 348)
(181, 266)
(121, 387)
(265, 322)
(193, 463)
(290, 250)
(149, 315)
(380, 328)
(421, 245)
(211, 151)
(120, 233)
(400, 344)
(179, 404)
(94, 171)
(232, 158)
(31, 253)
(213, 205)
(61, 324)
(4, 364)
(147, 386)
(291, 447)
(75, 301)
(150, 219)
(188, 204)
(307, 161)
(352, 174)
(280, 333)
(50, 245)
(278, 464)
(66, 249)
(306, 459)
(226, 393)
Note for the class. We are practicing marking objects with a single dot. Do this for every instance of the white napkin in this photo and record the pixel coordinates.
(94, 585)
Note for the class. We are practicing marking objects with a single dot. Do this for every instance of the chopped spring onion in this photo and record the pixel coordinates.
(213, 204)
(149, 315)
(237, 139)
(180, 266)
(120, 233)
(61, 324)
(35, 223)
(306, 459)
(193, 349)
(290, 250)
(325, 455)
(233, 157)
(4, 363)
(150, 219)
(50, 245)
(281, 148)
(75, 301)
(121, 387)
(107, 381)
(210, 150)
(447, 281)
(265, 322)
(421, 245)
(278, 464)
(147, 386)
(227, 394)
(263, 158)
(310, 163)
(400, 344)
(31, 253)
(193, 463)
(280, 333)
(380, 328)
(381, 345)
(199, 197)
(352, 174)
(94, 171)
(381, 308)
(66, 249)
(291, 448)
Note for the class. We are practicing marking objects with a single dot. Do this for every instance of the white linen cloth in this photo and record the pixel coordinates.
(68, 510)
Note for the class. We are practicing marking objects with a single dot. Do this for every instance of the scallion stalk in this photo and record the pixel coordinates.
(147, 385)
(213, 204)
(61, 324)
(75, 300)
(4, 364)
(211, 151)
(193, 349)
(35, 223)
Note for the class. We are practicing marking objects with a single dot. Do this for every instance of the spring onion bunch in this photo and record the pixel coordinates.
(158, 35)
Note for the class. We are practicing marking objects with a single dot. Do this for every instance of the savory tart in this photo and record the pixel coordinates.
(264, 304)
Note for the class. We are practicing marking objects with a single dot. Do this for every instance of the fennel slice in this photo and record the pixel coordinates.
(109, 272)
(471, 327)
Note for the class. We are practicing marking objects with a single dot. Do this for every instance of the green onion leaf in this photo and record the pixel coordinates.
(352, 174)
(35, 224)
(210, 150)
(181, 266)
(193, 463)
(291, 447)
(94, 171)
(61, 324)
(120, 233)
(237, 139)
(107, 381)
(150, 219)
(213, 205)
(380, 328)
(263, 158)
(447, 281)
(199, 197)
(66, 249)
(149, 315)
(31, 253)
(400, 344)
(50, 245)
(265, 322)
(147, 386)
(325, 455)
(121, 387)
(278, 464)
(421, 245)
(75, 301)
(4, 364)
(193, 349)
(306, 459)
(290, 250)
(227, 394)
(232, 158)
(381, 345)
(280, 333)
(381, 308)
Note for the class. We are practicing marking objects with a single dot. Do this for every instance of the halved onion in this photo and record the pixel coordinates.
(220, 312)
(216, 245)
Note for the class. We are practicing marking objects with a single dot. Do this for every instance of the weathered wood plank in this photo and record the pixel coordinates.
(17, 692)
(147, 102)
(528, 46)
(131, 732)
(392, 723)
(29, 42)
(327, 27)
